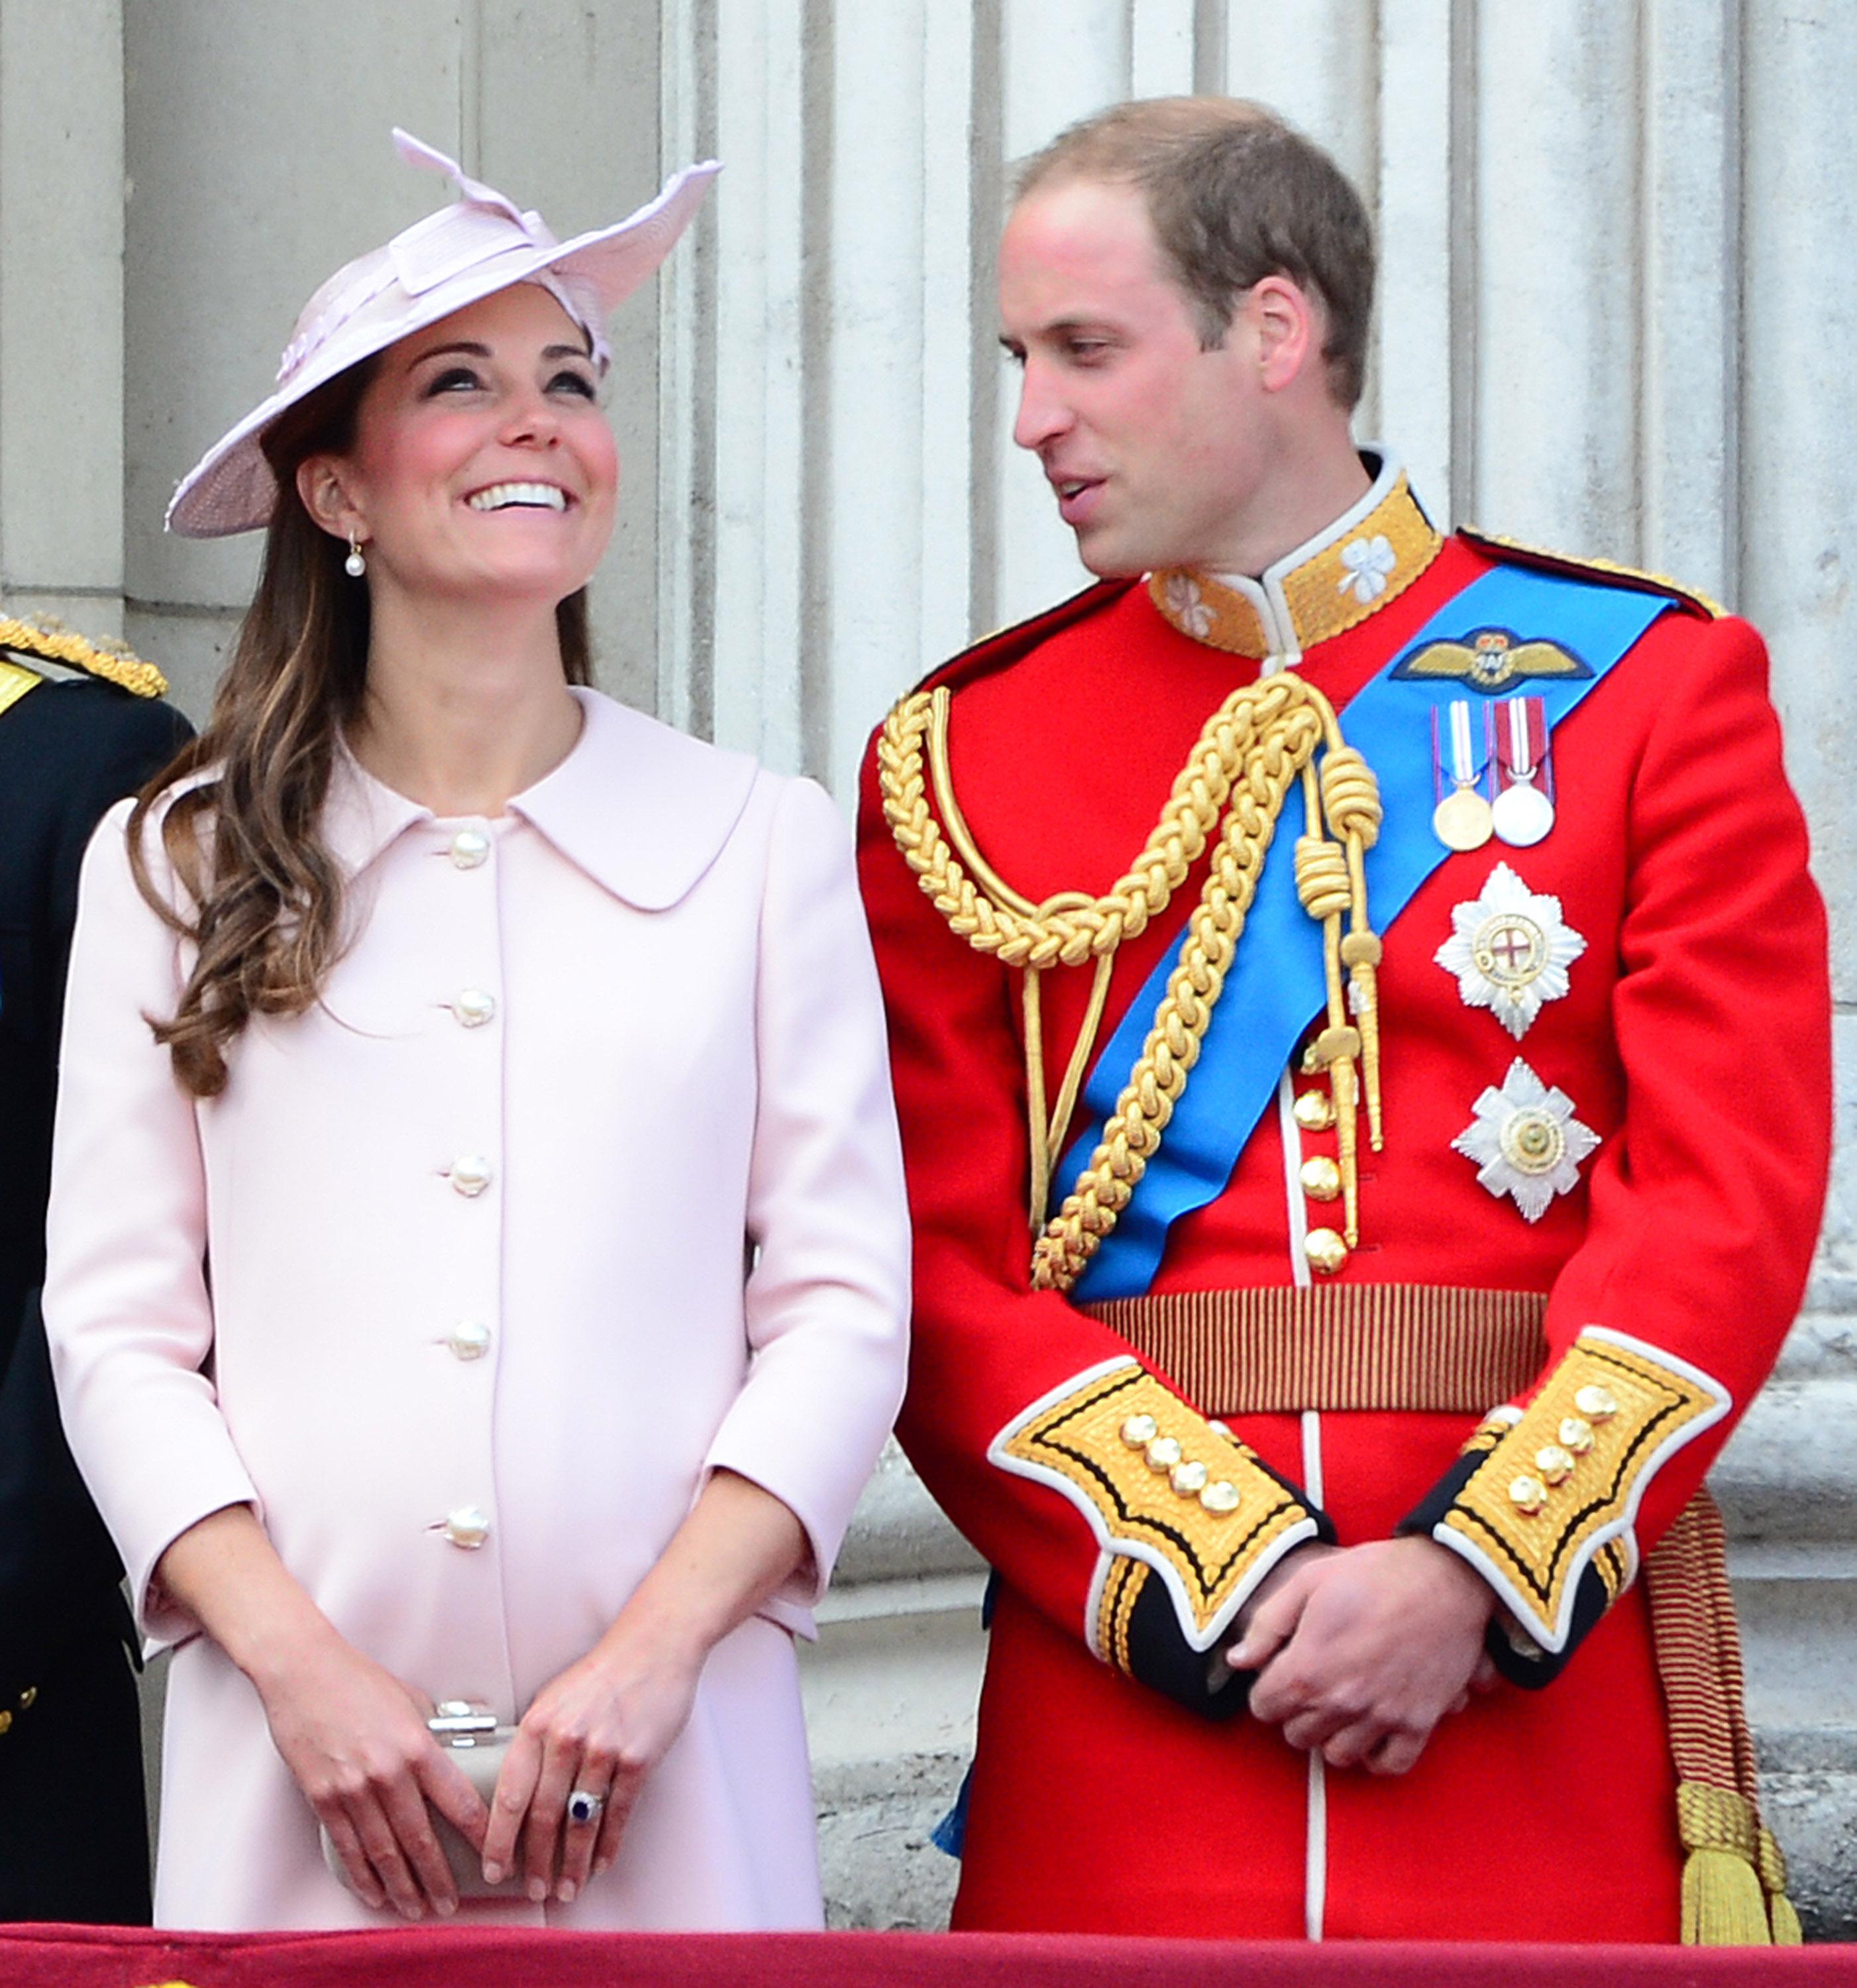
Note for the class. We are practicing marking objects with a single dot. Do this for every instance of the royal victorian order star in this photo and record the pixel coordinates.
(1526, 1141)
(1510, 948)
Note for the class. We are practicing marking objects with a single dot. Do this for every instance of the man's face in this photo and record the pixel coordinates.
(1154, 447)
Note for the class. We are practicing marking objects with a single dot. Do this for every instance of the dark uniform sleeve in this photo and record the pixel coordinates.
(67, 751)
(1084, 1477)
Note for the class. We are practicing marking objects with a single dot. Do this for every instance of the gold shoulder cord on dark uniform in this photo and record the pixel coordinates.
(46, 639)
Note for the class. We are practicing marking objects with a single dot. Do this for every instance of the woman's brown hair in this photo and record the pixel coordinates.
(260, 895)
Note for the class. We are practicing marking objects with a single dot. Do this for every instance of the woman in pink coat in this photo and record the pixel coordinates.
(479, 1253)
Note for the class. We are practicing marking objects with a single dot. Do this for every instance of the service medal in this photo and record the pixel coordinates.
(1522, 813)
(1461, 820)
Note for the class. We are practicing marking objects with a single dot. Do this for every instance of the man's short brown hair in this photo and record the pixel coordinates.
(1234, 195)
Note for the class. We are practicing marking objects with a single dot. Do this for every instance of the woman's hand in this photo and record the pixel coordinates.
(598, 1729)
(352, 1734)
(601, 1726)
(355, 1738)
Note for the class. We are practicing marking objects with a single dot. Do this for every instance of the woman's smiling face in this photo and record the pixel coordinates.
(483, 462)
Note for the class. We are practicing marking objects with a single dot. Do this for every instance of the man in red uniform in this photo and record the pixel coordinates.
(1360, 1024)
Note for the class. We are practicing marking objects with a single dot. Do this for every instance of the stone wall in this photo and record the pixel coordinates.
(1619, 279)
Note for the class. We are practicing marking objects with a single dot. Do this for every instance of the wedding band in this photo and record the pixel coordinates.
(583, 1807)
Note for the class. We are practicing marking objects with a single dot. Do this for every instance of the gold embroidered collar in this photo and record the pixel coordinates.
(1366, 559)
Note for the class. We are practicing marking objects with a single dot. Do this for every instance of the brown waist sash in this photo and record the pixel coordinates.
(1425, 1349)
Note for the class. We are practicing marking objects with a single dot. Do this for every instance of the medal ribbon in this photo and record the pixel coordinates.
(1466, 766)
(1276, 981)
(1521, 741)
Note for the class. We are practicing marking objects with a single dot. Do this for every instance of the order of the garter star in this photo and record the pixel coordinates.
(1510, 948)
(1526, 1141)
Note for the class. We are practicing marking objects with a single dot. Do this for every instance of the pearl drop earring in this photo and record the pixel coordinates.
(354, 566)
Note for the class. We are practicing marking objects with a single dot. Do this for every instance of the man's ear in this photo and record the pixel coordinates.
(320, 485)
(1286, 329)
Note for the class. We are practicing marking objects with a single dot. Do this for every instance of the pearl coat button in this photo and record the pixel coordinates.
(472, 1007)
(470, 846)
(467, 1528)
(470, 1174)
(469, 1339)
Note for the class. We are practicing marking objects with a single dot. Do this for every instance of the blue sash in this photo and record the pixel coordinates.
(1276, 981)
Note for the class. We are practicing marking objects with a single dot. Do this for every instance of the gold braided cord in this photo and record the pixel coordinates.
(1074, 927)
(1279, 746)
(44, 636)
(1266, 735)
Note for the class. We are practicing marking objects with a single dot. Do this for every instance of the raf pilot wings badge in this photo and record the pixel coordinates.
(1489, 661)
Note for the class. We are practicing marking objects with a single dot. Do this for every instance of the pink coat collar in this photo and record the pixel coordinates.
(643, 810)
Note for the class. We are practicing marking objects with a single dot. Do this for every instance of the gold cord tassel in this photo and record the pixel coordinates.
(1786, 1928)
(1723, 1903)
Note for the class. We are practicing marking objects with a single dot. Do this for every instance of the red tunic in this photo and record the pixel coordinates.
(1694, 1040)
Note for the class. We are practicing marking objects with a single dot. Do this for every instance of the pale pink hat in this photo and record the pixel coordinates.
(481, 244)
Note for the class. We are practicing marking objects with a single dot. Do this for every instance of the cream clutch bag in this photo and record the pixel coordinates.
(474, 1741)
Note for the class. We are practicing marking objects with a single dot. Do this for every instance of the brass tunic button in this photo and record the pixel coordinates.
(1553, 1463)
(1320, 1178)
(1163, 1453)
(29, 1698)
(1138, 1431)
(470, 1174)
(6, 1721)
(1595, 1403)
(1189, 1479)
(1576, 1435)
(1325, 1251)
(467, 1528)
(470, 848)
(472, 1007)
(1314, 1110)
(1220, 1498)
(1528, 1495)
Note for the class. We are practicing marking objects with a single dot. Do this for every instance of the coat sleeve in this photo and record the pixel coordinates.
(828, 1289)
(1705, 1206)
(127, 1307)
(1086, 1481)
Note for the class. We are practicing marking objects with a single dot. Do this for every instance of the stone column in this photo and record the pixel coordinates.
(61, 311)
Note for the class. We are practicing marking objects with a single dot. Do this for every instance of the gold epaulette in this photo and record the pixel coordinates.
(15, 681)
(42, 636)
(1512, 552)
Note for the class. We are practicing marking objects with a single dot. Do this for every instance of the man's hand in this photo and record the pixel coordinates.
(1361, 1652)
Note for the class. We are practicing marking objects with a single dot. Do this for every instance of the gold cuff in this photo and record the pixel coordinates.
(1159, 1484)
(1562, 1485)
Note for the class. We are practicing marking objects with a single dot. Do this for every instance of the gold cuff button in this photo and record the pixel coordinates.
(1138, 1431)
(1221, 1497)
(1595, 1403)
(1553, 1463)
(1189, 1479)
(1528, 1495)
(1325, 1251)
(1576, 1435)
(1163, 1453)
